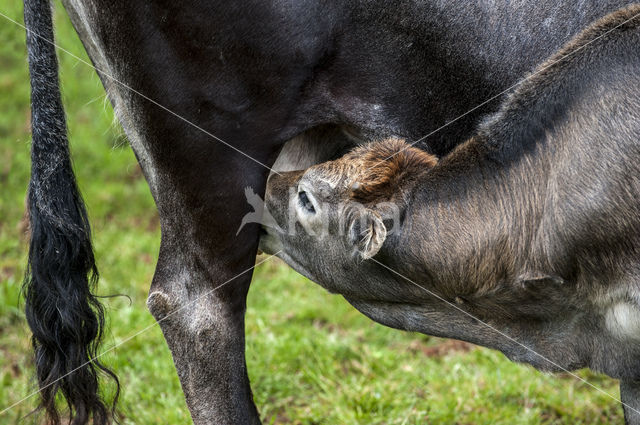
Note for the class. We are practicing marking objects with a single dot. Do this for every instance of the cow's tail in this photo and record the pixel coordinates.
(65, 317)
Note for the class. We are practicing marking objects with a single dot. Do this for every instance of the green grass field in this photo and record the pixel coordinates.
(312, 358)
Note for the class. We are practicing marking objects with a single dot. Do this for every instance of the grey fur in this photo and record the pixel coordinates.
(532, 226)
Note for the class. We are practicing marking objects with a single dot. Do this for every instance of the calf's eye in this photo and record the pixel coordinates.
(305, 203)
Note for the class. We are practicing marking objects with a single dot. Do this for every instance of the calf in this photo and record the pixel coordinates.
(525, 239)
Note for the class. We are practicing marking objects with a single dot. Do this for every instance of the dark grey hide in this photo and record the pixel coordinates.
(525, 239)
(257, 74)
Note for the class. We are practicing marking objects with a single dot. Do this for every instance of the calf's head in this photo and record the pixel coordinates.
(329, 218)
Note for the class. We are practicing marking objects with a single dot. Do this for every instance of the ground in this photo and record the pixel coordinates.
(312, 358)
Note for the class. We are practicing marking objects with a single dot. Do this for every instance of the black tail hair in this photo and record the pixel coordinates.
(66, 319)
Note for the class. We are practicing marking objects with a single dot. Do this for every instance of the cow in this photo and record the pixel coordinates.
(524, 239)
(213, 95)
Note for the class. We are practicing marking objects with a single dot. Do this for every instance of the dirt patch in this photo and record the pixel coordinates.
(7, 272)
(134, 173)
(146, 258)
(445, 348)
(15, 351)
(6, 169)
(153, 223)
(24, 228)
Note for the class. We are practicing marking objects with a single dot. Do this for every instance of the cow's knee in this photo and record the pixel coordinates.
(160, 304)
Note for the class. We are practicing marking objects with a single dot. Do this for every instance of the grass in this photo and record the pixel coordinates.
(312, 359)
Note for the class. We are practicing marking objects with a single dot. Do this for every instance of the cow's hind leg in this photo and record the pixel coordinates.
(205, 332)
(198, 293)
(630, 396)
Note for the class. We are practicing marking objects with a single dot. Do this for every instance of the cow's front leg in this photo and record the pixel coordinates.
(201, 281)
(630, 396)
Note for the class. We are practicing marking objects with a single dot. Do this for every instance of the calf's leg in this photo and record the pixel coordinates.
(630, 396)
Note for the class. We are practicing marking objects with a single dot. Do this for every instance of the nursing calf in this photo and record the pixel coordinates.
(525, 239)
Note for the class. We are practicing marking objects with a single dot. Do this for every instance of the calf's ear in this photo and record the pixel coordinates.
(366, 233)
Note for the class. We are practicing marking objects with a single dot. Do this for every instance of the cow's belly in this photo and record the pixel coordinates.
(605, 340)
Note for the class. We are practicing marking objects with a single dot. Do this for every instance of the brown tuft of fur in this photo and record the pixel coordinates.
(383, 165)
